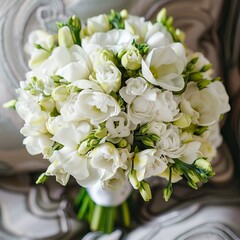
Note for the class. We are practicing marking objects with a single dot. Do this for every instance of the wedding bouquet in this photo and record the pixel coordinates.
(116, 101)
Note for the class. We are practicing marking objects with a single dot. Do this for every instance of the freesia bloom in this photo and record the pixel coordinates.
(163, 66)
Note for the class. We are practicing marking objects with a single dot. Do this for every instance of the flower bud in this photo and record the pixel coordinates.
(60, 94)
(65, 37)
(162, 15)
(167, 192)
(99, 23)
(133, 179)
(47, 104)
(184, 121)
(132, 59)
(101, 133)
(145, 191)
(123, 143)
(93, 143)
(204, 164)
(193, 176)
(83, 148)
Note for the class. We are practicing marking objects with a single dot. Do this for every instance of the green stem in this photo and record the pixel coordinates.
(79, 197)
(83, 208)
(126, 214)
(110, 217)
(96, 218)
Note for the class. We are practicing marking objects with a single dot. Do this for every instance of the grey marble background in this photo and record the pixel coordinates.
(45, 212)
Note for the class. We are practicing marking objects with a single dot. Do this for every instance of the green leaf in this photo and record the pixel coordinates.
(42, 178)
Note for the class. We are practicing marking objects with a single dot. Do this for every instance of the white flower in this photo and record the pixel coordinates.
(166, 106)
(78, 166)
(70, 63)
(134, 87)
(191, 152)
(105, 157)
(118, 126)
(56, 169)
(136, 25)
(45, 41)
(39, 144)
(54, 123)
(141, 109)
(68, 109)
(115, 40)
(96, 106)
(214, 136)
(108, 76)
(71, 135)
(209, 103)
(163, 66)
(158, 128)
(148, 164)
(99, 23)
(201, 62)
(157, 36)
(170, 143)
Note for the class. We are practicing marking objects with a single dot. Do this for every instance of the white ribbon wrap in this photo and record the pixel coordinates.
(107, 197)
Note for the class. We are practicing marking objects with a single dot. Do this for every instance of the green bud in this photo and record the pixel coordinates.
(144, 129)
(206, 67)
(181, 35)
(199, 130)
(177, 169)
(121, 53)
(203, 84)
(133, 179)
(169, 22)
(194, 177)
(145, 191)
(148, 142)
(192, 184)
(42, 178)
(195, 76)
(10, 104)
(101, 133)
(93, 143)
(162, 16)
(132, 59)
(167, 191)
(123, 143)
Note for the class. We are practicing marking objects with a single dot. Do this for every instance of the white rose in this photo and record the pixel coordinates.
(210, 102)
(142, 109)
(118, 126)
(163, 66)
(158, 128)
(115, 40)
(108, 76)
(96, 106)
(39, 55)
(170, 143)
(56, 169)
(147, 164)
(166, 106)
(99, 23)
(157, 36)
(134, 87)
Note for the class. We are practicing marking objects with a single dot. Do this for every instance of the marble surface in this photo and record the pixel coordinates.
(43, 212)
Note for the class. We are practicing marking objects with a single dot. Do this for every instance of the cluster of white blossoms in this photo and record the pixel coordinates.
(120, 98)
